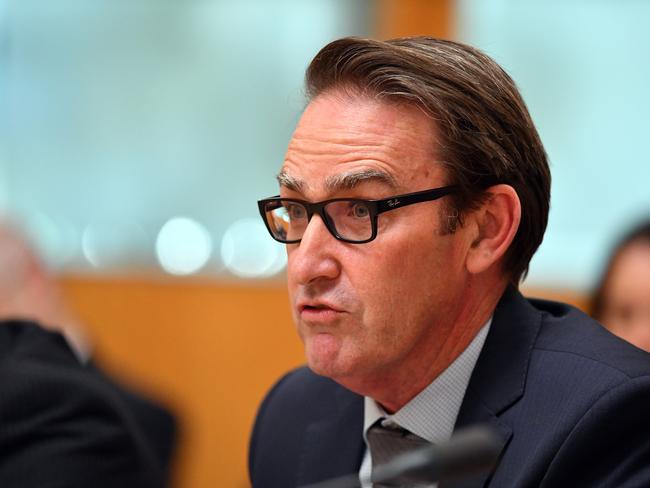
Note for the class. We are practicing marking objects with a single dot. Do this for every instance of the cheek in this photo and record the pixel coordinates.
(405, 266)
(411, 282)
(389, 284)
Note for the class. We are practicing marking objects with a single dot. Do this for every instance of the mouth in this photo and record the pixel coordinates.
(313, 306)
(318, 312)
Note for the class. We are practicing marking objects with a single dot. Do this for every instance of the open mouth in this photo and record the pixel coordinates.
(316, 307)
(318, 312)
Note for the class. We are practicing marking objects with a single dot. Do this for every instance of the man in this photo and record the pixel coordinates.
(414, 192)
(63, 423)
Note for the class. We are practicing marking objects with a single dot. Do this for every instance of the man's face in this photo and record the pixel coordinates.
(363, 310)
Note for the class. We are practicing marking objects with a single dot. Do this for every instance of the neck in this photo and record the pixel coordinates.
(398, 385)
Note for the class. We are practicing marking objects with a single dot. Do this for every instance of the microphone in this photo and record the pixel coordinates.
(471, 451)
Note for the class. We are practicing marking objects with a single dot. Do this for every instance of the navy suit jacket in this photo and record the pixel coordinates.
(569, 401)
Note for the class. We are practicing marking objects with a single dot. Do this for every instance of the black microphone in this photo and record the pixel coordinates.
(471, 451)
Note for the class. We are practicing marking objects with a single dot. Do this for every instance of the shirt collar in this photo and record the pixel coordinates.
(432, 413)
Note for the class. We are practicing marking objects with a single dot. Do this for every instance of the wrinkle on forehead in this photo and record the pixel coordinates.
(358, 125)
(352, 139)
(339, 145)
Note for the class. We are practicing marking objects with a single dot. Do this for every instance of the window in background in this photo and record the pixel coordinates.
(137, 136)
(583, 69)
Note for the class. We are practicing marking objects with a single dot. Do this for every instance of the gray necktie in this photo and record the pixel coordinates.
(387, 443)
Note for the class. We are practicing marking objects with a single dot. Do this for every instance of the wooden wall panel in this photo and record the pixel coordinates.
(400, 18)
(209, 351)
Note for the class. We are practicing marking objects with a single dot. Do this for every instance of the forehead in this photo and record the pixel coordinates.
(341, 135)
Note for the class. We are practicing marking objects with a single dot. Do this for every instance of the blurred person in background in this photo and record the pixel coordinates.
(62, 422)
(29, 291)
(621, 300)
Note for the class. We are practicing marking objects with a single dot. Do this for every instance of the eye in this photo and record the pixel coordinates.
(296, 211)
(360, 210)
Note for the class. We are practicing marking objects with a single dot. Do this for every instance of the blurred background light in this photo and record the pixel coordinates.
(183, 246)
(136, 111)
(111, 244)
(248, 251)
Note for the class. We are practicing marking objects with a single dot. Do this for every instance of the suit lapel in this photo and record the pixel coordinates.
(334, 447)
(499, 377)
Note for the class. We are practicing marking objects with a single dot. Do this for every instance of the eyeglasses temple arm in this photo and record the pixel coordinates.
(411, 198)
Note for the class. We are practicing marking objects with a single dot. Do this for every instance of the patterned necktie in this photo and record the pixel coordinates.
(385, 444)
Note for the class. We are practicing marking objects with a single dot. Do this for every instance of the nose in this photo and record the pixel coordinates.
(315, 256)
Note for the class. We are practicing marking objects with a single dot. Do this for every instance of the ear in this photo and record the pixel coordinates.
(496, 223)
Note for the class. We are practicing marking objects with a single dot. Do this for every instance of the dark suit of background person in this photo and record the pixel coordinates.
(389, 295)
(65, 424)
(568, 400)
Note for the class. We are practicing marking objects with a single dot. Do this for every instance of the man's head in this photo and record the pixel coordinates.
(484, 132)
(393, 118)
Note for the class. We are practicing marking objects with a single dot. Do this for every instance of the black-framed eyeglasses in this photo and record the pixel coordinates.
(348, 219)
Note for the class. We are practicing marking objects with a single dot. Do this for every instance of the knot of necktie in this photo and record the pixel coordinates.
(387, 442)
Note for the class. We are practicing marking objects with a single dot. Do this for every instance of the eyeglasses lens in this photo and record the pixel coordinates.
(348, 218)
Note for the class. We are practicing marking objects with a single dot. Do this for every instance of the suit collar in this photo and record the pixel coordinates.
(499, 378)
(500, 373)
(27, 339)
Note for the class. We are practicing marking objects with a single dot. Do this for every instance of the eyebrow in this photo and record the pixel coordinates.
(348, 181)
(289, 182)
(344, 181)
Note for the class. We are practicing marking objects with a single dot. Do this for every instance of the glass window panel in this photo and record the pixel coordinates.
(582, 67)
(117, 117)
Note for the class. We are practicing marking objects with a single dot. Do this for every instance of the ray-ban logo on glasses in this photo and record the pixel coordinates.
(393, 203)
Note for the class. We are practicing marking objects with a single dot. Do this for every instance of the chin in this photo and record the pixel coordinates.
(325, 358)
(323, 365)
(347, 374)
